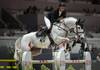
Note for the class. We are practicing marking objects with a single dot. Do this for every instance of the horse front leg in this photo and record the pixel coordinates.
(27, 60)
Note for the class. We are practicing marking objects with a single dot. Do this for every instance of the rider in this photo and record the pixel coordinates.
(53, 16)
(59, 13)
(56, 15)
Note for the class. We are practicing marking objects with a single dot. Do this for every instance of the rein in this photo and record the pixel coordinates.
(61, 27)
(65, 25)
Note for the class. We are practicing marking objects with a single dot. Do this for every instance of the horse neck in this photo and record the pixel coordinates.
(56, 30)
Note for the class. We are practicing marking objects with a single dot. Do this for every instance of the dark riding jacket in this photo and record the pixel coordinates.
(57, 16)
(54, 16)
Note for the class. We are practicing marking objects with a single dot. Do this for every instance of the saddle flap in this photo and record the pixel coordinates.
(47, 22)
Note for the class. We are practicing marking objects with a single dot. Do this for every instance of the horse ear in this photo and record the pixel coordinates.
(47, 22)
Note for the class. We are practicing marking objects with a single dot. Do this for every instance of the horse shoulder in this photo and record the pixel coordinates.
(18, 42)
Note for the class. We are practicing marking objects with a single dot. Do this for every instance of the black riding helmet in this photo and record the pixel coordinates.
(62, 4)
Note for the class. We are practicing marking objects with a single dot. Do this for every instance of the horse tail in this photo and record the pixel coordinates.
(17, 49)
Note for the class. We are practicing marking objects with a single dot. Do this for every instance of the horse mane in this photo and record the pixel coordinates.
(70, 20)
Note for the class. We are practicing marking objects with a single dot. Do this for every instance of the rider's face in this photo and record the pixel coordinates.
(62, 8)
(45, 13)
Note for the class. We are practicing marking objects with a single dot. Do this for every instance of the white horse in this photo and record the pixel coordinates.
(31, 45)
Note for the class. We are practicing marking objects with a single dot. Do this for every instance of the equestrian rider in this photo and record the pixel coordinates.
(59, 13)
(56, 15)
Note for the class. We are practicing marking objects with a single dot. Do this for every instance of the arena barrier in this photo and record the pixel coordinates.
(60, 62)
(6, 64)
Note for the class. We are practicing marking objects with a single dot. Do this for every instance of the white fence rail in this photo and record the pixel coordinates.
(53, 61)
(62, 63)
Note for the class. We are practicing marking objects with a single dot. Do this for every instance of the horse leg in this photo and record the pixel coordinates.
(27, 60)
(16, 56)
(18, 51)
